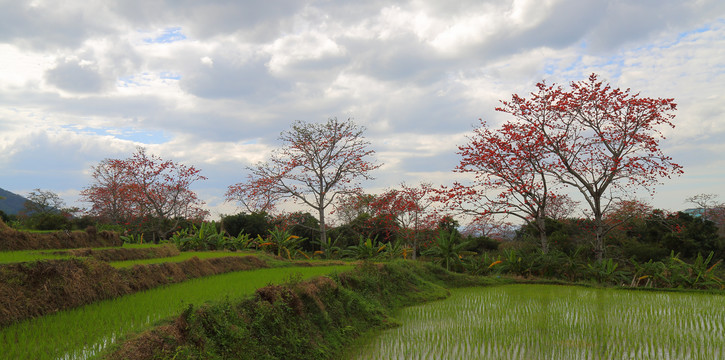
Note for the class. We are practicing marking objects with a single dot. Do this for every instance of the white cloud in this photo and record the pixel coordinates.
(19, 68)
(213, 83)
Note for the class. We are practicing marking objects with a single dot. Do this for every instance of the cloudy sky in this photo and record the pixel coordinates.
(213, 83)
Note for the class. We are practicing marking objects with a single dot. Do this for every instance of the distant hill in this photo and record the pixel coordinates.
(11, 203)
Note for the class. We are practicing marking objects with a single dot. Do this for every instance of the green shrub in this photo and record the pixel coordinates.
(482, 244)
(254, 224)
(49, 221)
(644, 252)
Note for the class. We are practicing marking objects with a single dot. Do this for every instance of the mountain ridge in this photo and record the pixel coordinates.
(11, 203)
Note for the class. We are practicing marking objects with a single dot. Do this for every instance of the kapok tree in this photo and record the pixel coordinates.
(260, 198)
(605, 141)
(161, 190)
(147, 189)
(410, 209)
(317, 163)
(108, 192)
(352, 206)
(511, 176)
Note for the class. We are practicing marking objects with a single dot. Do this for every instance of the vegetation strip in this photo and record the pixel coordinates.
(19, 256)
(184, 256)
(103, 253)
(11, 239)
(298, 320)
(124, 254)
(555, 322)
(38, 288)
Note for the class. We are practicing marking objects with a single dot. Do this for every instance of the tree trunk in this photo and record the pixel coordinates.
(323, 229)
(599, 240)
(541, 226)
(598, 229)
(415, 245)
(415, 237)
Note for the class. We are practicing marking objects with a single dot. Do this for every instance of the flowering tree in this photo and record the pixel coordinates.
(258, 198)
(318, 163)
(604, 141)
(145, 188)
(560, 207)
(353, 205)
(488, 226)
(109, 194)
(512, 176)
(409, 208)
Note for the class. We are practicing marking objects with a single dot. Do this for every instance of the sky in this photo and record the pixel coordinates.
(213, 83)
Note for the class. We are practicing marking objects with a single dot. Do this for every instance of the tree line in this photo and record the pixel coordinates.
(590, 138)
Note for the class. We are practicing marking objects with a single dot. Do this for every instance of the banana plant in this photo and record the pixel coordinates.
(367, 248)
(282, 242)
(605, 271)
(396, 249)
(483, 265)
(448, 250)
(328, 248)
(677, 272)
(703, 272)
(649, 274)
(240, 242)
(132, 239)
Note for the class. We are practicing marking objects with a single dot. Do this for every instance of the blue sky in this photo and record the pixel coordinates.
(213, 83)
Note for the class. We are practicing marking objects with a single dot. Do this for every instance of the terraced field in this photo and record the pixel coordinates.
(113, 292)
(33, 280)
(81, 333)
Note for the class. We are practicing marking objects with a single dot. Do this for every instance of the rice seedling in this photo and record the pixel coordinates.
(83, 332)
(555, 322)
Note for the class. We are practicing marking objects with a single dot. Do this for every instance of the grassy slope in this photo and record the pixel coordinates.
(82, 331)
(299, 320)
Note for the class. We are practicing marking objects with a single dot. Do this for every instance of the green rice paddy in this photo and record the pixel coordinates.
(83, 332)
(555, 322)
